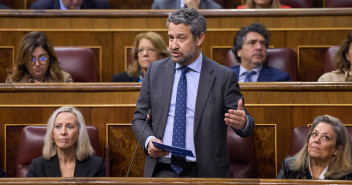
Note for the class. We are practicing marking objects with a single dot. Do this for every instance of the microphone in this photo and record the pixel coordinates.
(149, 115)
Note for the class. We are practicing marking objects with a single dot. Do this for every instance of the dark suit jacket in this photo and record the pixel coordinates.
(93, 166)
(4, 7)
(218, 91)
(287, 173)
(175, 4)
(267, 74)
(55, 4)
(123, 77)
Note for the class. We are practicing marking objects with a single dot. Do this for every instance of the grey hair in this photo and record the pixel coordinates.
(83, 146)
(190, 17)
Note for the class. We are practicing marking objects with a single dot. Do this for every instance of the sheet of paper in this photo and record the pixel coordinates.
(174, 150)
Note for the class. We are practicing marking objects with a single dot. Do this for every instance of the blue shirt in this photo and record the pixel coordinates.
(63, 7)
(192, 88)
(254, 77)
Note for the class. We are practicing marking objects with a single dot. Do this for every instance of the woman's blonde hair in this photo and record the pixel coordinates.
(83, 146)
(341, 164)
(274, 4)
(27, 45)
(159, 44)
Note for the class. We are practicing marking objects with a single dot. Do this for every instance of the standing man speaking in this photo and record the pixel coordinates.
(193, 99)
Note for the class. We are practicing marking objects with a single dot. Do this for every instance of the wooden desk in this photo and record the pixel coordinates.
(277, 109)
(110, 33)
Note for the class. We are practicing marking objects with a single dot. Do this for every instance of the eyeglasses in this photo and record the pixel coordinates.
(148, 50)
(41, 59)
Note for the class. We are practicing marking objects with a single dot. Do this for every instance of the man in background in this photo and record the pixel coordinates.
(179, 4)
(70, 4)
(250, 45)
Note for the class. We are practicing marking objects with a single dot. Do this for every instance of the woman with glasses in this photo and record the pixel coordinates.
(148, 47)
(36, 62)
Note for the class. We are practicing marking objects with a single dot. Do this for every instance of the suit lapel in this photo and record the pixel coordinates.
(167, 73)
(81, 168)
(56, 4)
(264, 75)
(237, 72)
(52, 167)
(205, 85)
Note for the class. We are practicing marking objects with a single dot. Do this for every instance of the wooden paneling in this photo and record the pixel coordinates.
(311, 62)
(276, 107)
(307, 31)
(122, 144)
(6, 61)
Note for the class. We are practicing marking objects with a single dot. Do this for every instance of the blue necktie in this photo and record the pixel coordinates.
(249, 76)
(179, 130)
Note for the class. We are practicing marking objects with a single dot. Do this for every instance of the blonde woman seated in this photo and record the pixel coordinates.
(67, 151)
(36, 62)
(326, 154)
(148, 47)
(343, 72)
(250, 4)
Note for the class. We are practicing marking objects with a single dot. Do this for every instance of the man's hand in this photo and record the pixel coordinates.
(192, 3)
(154, 151)
(236, 118)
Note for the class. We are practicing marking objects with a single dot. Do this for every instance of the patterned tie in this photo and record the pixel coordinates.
(179, 130)
(249, 75)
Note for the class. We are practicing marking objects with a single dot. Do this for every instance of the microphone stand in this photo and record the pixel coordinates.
(139, 140)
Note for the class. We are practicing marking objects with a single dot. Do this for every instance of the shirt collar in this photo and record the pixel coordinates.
(182, 4)
(195, 66)
(63, 7)
(243, 70)
(322, 175)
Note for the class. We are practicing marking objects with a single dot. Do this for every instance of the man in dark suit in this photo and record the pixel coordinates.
(70, 4)
(212, 102)
(176, 4)
(250, 46)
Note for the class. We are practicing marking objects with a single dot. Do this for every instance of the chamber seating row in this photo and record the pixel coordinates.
(79, 62)
(228, 4)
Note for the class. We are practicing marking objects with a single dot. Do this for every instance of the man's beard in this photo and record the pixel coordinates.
(187, 59)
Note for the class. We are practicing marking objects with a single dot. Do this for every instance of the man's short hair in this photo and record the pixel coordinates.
(190, 17)
(241, 37)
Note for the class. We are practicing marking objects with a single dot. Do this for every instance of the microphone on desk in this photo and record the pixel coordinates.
(149, 115)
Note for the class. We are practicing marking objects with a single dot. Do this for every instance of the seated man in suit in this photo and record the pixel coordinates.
(179, 4)
(70, 4)
(250, 46)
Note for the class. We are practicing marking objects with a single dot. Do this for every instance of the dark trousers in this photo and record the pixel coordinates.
(164, 170)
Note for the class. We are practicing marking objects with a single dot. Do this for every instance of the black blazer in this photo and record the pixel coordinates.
(55, 4)
(287, 173)
(93, 166)
(123, 77)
